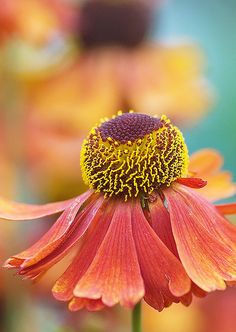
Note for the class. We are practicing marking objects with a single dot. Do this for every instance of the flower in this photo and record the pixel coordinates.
(34, 38)
(155, 76)
(35, 21)
(109, 68)
(114, 67)
(143, 230)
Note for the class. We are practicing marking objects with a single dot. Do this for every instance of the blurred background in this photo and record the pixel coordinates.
(64, 65)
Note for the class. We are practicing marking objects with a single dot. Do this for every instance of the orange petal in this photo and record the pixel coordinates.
(34, 266)
(18, 211)
(160, 222)
(219, 186)
(114, 275)
(81, 224)
(63, 288)
(162, 226)
(204, 240)
(205, 162)
(225, 209)
(55, 235)
(164, 277)
(91, 305)
(196, 183)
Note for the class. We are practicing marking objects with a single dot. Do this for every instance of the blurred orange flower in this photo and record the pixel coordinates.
(207, 164)
(66, 88)
(158, 79)
(34, 36)
(144, 230)
(34, 20)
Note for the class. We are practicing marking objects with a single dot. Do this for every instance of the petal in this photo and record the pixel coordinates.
(219, 186)
(160, 222)
(197, 291)
(203, 238)
(53, 237)
(225, 209)
(114, 275)
(218, 225)
(196, 183)
(81, 224)
(91, 305)
(63, 288)
(164, 277)
(205, 162)
(18, 211)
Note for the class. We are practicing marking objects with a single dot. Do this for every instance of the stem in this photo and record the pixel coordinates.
(136, 318)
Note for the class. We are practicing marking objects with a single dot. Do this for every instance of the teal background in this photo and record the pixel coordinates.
(210, 24)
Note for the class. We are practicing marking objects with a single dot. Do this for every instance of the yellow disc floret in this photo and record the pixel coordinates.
(133, 154)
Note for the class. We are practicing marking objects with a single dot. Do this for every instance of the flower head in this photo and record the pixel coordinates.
(124, 23)
(143, 230)
(133, 154)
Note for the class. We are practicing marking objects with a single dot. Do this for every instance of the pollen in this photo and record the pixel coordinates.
(133, 154)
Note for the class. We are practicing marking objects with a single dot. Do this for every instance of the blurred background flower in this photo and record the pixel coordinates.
(64, 64)
(113, 63)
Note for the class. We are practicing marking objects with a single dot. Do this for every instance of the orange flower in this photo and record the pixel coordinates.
(160, 78)
(143, 229)
(34, 20)
(35, 37)
(155, 77)
(112, 70)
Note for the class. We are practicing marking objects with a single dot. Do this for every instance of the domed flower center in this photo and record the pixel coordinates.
(133, 154)
(105, 22)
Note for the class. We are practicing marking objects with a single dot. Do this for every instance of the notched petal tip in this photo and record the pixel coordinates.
(83, 303)
(165, 279)
(12, 263)
(114, 274)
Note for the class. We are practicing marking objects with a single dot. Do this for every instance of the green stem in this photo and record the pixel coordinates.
(136, 318)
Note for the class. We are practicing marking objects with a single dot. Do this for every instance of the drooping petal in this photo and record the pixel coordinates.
(18, 211)
(81, 224)
(63, 288)
(160, 222)
(205, 162)
(216, 223)
(52, 238)
(225, 209)
(197, 291)
(114, 275)
(164, 277)
(203, 238)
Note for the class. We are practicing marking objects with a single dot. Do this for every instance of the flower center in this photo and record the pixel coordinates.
(133, 154)
(105, 22)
